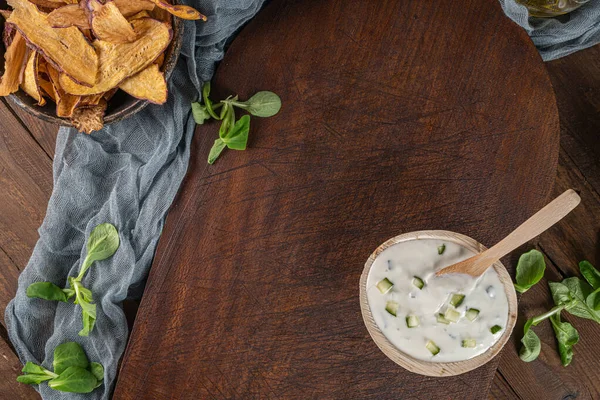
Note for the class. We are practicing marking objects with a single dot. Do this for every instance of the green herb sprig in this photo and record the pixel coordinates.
(72, 371)
(102, 244)
(233, 134)
(574, 295)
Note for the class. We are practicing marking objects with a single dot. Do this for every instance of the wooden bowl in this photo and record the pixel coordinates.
(120, 106)
(437, 368)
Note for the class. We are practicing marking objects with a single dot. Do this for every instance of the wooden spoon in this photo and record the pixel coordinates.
(538, 223)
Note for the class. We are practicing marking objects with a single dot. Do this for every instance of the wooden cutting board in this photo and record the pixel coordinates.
(397, 116)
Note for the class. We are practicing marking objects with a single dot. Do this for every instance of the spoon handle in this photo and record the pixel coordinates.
(553, 212)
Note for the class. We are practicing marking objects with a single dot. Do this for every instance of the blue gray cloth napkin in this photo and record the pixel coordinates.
(558, 37)
(129, 173)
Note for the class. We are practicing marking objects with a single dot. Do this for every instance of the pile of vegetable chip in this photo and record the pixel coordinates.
(79, 54)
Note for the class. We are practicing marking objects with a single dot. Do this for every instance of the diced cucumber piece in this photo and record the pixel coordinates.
(452, 315)
(412, 321)
(456, 299)
(441, 249)
(471, 314)
(384, 285)
(470, 343)
(418, 282)
(495, 329)
(391, 307)
(432, 347)
(442, 320)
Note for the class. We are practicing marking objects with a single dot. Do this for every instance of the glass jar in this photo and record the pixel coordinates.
(551, 8)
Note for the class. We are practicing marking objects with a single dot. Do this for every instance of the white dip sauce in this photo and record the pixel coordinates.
(419, 258)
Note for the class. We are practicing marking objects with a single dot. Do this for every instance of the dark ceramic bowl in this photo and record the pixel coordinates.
(120, 106)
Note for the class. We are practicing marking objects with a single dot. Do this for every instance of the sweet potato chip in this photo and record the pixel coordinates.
(131, 7)
(65, 102)
(66, 107)
(119, 61)
(88, 34)
(91, 100)
(66, 48)
(30, 79)
(50, 4)
(141, 14)
(43, 78)
(5, 14)
(15, 59)
(69, 15)
(180, 11)
(149, 84)
(8, 34)
(161, 15)
(89, 119)
(109, 24)
(108, 95)
(47, 88)
(42, 65)
(160, 60)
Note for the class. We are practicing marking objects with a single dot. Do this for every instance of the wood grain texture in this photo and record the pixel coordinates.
(10, 368)
(576, 80)
(534, 226)
(426, 367)
(44, 133)
(395, 118)
(577, 237)
(9, 275)
(501, 389)
(26, 184)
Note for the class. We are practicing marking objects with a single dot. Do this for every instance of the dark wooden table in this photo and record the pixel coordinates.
(27, 147)
(387, 126)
